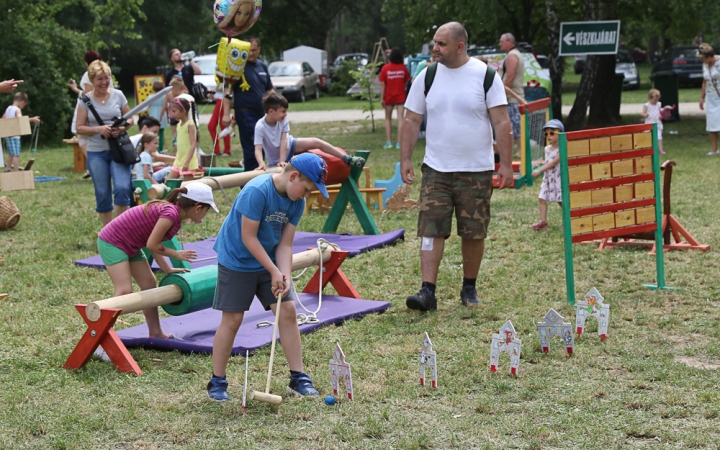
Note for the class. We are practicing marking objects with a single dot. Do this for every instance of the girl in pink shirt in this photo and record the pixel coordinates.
(121, 242)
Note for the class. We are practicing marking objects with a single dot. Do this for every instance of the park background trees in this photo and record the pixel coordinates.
(44, 40)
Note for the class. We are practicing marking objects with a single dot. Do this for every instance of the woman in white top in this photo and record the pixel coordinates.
(110, 179)
(710, 93)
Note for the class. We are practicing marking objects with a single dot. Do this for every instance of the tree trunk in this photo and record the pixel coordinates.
(653, 47)
(576, 118)
(603, 106)
(557, 63)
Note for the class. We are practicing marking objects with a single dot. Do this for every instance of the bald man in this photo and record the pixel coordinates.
(513, 76)
(458, 166)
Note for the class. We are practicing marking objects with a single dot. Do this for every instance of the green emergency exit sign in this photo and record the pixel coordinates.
(589, 38)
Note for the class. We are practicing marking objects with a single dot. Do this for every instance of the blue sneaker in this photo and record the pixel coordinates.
(388, 145)
(301, 384)
(217, 389)
(397, 146)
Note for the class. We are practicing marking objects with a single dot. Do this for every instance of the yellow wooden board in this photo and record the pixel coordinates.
(645, 190)
(578, 148)
(624, 193)
(603, 221)
(625, 218)
(642, 140)
(623, 168)
(580, 225)
(601, 171)
(143, 86)
(644, 215)
(621, 142)
(599, 146)
(578, 173)
(580, 199)
(602, 196)
(643, 165)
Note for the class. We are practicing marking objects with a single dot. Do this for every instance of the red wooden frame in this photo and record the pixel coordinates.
(611, 131)
(612, 207)
(102, 333)
(651, 226)
(614, 156)
(611, 182)
(537, 105)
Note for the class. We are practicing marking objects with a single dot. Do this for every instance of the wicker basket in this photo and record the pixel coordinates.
(9, 214)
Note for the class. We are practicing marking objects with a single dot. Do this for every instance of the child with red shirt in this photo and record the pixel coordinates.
(393, 78)
(121, 242)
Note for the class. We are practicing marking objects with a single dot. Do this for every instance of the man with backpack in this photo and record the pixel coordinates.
(464, 100)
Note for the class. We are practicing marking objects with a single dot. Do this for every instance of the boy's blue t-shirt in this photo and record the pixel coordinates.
(260, 201)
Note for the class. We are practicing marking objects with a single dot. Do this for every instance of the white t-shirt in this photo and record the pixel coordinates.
(459, 135)
(145, 160)
(269, 137)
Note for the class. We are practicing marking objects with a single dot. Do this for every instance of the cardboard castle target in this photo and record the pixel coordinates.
(340, 369)
(593, 306)
(428, 358)
(555, 325)
(505, 341)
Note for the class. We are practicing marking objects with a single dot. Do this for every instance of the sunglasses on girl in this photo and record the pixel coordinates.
(551, 133)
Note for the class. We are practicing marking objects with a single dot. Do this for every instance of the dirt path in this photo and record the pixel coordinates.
(353, 115)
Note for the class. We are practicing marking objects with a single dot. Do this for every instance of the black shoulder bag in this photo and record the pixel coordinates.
(121, 147)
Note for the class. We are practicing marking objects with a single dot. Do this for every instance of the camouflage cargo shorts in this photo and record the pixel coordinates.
(466, 193)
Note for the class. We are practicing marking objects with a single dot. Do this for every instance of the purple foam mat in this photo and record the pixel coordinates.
(197, 330)
(303, 240)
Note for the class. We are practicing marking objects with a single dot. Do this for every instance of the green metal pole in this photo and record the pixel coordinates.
(659, 244)
(219, 171)
(528, 151)
(567, 231)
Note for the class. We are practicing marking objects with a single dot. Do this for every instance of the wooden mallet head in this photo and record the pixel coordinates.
(266, 396)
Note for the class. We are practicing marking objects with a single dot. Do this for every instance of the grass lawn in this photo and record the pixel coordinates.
(652, 382)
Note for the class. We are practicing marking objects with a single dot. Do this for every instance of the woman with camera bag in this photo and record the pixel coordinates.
(110, 179)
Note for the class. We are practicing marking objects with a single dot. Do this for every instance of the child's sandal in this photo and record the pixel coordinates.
(540, 225)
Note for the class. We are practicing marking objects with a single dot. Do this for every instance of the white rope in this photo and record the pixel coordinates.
(308, 316)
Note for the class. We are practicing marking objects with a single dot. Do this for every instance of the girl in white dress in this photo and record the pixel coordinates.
(550, 188)
(710, 94)
(651, 113)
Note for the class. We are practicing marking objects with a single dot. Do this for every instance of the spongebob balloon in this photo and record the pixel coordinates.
(234, 17)
(230, 62)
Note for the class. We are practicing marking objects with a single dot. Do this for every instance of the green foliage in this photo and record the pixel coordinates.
(646, 385)
(365, 79)
(343, 78)
(45, 55)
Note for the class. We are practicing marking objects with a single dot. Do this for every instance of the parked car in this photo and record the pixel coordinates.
(624, 64)
(361, 58)
(683, 62)
(207, 66)
(294, 79)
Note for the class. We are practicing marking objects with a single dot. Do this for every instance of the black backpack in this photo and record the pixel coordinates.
(432, 69)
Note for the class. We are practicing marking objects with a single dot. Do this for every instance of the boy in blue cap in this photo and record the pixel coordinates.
(254, 253)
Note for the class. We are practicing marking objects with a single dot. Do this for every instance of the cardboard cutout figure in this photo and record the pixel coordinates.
(339, 369)
(428, 357)
(505, 341)
(555, 325)
(593, 306)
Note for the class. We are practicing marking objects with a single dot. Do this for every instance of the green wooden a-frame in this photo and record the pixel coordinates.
(349, 193)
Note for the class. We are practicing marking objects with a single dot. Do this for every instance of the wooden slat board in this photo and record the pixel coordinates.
(599, 146)
(611, 184)
(624, 193)
(578, 148)
(642, 140)
(621, 142)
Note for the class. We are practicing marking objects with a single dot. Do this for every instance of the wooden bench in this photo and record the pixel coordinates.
(78, 156)
(323, 204)
(371, 195)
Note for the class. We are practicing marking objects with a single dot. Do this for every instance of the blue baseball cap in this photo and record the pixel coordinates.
(556, 124)
(313, 167)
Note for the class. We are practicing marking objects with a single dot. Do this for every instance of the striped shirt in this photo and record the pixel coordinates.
(131, 230)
